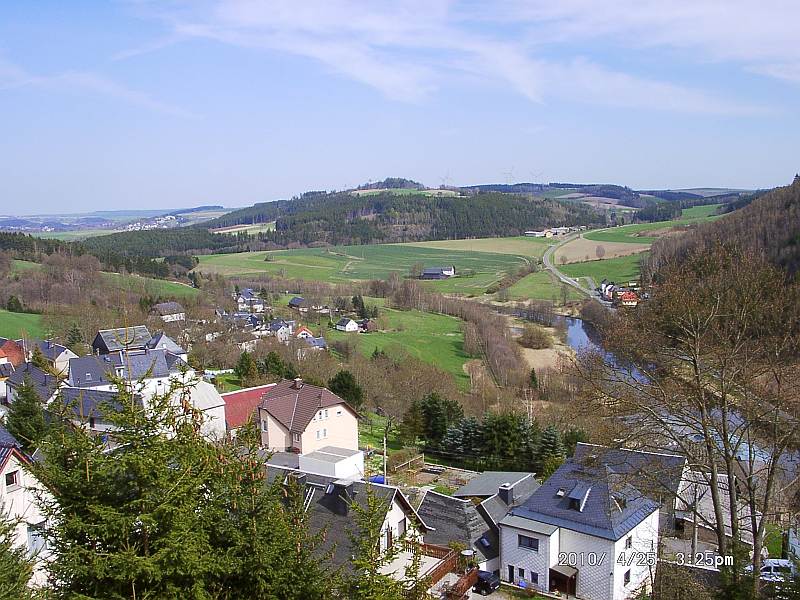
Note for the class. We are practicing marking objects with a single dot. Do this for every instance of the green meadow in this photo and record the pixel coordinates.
(637, 233)
(621, 269)
(17, 325)
(541, 286)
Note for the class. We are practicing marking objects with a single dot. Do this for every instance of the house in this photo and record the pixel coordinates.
(303, 332)
(438, 272)
(330, 512)
(629, 299)
(248, 300)
(122, 338)
(45, 384)
(560, 230)
(487, 483)
(310, 345)
(347, 325)
(14, 352)
(537, 234)
(586, 532)
(161, 341)
(6, 369)
(280, 329)
(56, 355)
(301, 417)
(18, 500)
(298, 303)
(169, 311)
(90, 407)
(154, 368)
(241, 406)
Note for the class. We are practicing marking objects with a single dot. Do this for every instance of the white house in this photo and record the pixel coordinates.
(56, 355)
(586, 532)
(347, 325)
(18, 489)
(304, 418)
(248, 300)
(169, 312)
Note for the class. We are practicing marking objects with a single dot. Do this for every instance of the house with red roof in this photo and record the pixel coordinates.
(14, 352)
(297, 416)
(241, 406)
(303, 332)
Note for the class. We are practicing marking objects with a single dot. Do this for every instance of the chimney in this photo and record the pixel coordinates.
(506, 493)
(298, 383)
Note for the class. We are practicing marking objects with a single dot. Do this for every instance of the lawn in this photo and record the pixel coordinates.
(349, 263)
(540, 286)
(228, 382)
(17, 325)
(75, 235)
(148, 285)
(521, 245)
(622, 269)
(370, 433)
(432, 338)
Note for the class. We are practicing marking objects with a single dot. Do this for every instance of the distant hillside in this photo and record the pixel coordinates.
(392, 183)
(769, 224)
(342, 218)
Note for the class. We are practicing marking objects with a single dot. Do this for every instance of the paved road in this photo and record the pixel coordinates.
(547, 261)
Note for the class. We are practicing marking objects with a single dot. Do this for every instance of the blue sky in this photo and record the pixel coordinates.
(139, 104)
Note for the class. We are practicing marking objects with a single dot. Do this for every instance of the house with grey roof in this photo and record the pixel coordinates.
(487, 483)
(45, 384)
(587, 532)
(169, 312)
(249, 301)
(161, 341)
(121, 338)
(56, 355)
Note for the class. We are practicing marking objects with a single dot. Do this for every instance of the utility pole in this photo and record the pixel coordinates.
(385, 443)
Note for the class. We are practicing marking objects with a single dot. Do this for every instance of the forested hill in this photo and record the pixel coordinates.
(770, 224)
(318, 218)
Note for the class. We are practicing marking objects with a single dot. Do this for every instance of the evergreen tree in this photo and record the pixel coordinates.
(16, 567)
(551, 449)
(246, 368)
(412, 428)
(74, 337)
(435, 419)
(472, 440)
(14, 304)
(272, 365)
(344, 385)
(25, 418)
(38, 359)
(533, 380)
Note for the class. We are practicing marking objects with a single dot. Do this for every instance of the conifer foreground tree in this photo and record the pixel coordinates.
(25, 417)
(16, 567)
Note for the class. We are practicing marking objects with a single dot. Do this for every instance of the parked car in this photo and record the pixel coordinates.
(776, 570)
(487, 583)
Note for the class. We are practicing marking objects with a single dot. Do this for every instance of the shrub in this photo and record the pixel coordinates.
(536, 337)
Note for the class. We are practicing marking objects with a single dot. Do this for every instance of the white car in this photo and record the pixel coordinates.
(776, 570)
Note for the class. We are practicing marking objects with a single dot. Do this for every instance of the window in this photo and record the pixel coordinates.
(297, 437)
(534, 578)
(12, 479)
(88, 377)
(325, 412)
(401, 527)
(263, 425)
(36, 541)
(91, 422)
(324, 433)
(627, 578)
(629, 542)
(319, 434)
(529, 543)
(520, 573)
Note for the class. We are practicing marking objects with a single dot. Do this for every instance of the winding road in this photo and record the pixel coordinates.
(547, 261)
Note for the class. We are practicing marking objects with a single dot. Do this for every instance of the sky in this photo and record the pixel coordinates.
(121, 104)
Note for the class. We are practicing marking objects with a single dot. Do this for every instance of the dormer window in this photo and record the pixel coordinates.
(88, 377)
(579, 495)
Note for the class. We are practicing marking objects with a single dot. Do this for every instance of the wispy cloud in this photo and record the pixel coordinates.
(408, 49)
(12, 76)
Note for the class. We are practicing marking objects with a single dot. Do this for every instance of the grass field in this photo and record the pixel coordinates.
(78, 234)
(637, 233)
(147, 285)
(432, 338)
(15, 325)
(540, 286)
(520, 245)
(622, 269)
(249, 229)
(348, 263)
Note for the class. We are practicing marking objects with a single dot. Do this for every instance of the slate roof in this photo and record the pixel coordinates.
(50, 350)
(331, 514)
(458, 520)
(242, 404)
(153, 363)
(247, 294)
(277, 325)
(43, 382)
(344, 321)
(495, 508)
(90, 403)
(487, 483)
(656, 474)
(8, 445)
(318, 342)
(6, 369)
(162, 341)
(111, 340)
(610, 510)
(294, 407)
(167, 308)
(297, 301)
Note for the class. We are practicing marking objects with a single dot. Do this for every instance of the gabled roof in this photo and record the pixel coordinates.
(8, 446)
(51, 350)
(13, 351)
(277, 325)
(609, 507)
(43, 382)
(121, 338)
(6, 369)
(331, 514)
(318, 342)
(458, 520)
(344, 321)
(247, 294)
(303, 329)
(297, 301)
(487, 483)
(294, 403)
(495, 507)
(88, 403)
(132, 365)
(162, 341)
(167, 308)
(242, 404)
